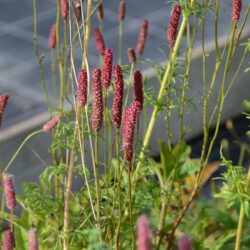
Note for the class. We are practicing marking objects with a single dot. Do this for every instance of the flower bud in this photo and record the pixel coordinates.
(142, 37)
(77, 10)
(100, 45)
(143, 234)
(121, 11)
(33, 241)
(236, 9)
(51, 124)
(9, 191)
(118, 97)
(107, 68)
(97, 113)
(52, 37)
(131, 56)
(3, 102)
(8, 240)
(173, 25)
(82, 88)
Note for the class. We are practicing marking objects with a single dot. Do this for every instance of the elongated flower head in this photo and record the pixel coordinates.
(131, 56)
(107, 68)
(77, 10)
(143, 234)
(121, 11)
(236, 9)
(97, 114)
(184, 243)
(100, 45)
(173, 25)
(3, 102)
(9, 191)
(65, 9)
(51, 124)
(142, 37)
(8, 240)
(138, 91)
(52, 37)
(100, 12)
(33, 241)
(118, 97)
(82, 88)
(128, 129)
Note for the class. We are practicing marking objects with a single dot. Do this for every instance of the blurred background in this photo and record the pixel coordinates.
(19, 74)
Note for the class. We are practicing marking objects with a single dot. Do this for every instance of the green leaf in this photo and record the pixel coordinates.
(218, 244)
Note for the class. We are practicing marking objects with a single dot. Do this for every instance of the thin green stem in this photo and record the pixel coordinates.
(120, 42)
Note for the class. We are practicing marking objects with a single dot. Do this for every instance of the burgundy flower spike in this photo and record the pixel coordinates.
(52, 37)
(8, 241)
(138, 91)
(118, 97)
(143, 234)
(33, 242)
(173, 25)
(142, 37)
(128, 129)
(9, 191)
(100, 12)
(107, 68)
(65, 9)
(97, 114)
(131, 56)
(100, 45)
(3, 102)
(82, 88)
(236, 9)
(51, 124)
(121, 11)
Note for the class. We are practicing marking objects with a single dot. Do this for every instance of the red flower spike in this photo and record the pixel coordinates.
(131, 56)
(143, 234)
(3, 102)
(52, 37)
(128, 128)
(33, 241)
(82, 88)
(97, 114)
(65, 9)
(236, 9)
(100, 45)
(51, 124)
(9, 191)
(118, 97)
(107, 68)
(184, 243)
(138, 91)
(8, 241)
(121, 11)
(173, 25)
(100, 12)
(142, 37)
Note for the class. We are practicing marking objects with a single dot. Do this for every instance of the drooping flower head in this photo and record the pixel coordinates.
(82, 88)
(131, 56)
(122, 10)
(77, 10)
(184, 243)
(138, 91)
(33, 241)
(65, 9)
(9, 191)
(107, 68)
(52, 37)
(173, 25)
(118, 97)
(128, 129)
(97, 113)
(100, 45)
(8, 240)
(236, 9)
(143, 234)
(100, 12)
(51, 124)
(3, 102)
(142, 37)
